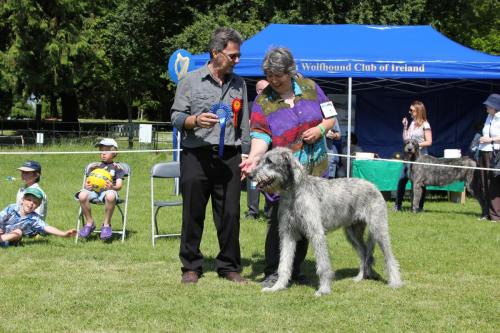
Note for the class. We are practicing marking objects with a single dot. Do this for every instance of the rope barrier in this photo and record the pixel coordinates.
(418, 163)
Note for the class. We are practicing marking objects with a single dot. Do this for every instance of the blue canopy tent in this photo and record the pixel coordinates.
(386, 67)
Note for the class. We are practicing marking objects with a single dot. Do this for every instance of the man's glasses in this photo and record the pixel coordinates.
(233, 56)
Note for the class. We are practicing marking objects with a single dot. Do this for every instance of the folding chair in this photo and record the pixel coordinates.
(167, 170)
(123, 211)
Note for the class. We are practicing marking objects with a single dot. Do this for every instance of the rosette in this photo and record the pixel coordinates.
(223, 112)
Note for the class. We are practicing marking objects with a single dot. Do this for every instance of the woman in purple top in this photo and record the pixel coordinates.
(290, 112)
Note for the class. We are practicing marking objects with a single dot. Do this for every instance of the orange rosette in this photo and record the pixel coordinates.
(236, 106)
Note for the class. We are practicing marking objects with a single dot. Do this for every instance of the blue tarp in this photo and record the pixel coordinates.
(382, 59)
(366, 51)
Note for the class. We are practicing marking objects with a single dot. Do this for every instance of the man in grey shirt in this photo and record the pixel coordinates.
(211, 112)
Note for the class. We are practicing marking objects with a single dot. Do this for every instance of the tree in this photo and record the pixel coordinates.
(49, 51)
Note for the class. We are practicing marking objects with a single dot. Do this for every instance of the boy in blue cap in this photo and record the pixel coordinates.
(30, 174)
(17, 221)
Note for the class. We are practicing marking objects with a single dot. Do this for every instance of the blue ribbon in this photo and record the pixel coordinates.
(223, 111)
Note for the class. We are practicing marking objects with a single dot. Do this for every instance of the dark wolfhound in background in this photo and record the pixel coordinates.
(425, 175)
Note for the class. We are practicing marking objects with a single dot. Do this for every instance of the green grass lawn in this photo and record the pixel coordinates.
(449, 261)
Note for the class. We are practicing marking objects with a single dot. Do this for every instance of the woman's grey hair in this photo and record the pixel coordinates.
(280, 61)
(221, 37)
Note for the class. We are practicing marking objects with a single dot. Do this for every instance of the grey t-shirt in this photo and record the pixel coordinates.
(196, 93)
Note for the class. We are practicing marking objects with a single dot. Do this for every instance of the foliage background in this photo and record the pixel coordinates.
(107, 59)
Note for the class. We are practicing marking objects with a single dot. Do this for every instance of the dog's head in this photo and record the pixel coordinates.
(277, 170)
(411, 150)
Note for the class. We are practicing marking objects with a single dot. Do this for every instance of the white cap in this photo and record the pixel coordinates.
(107, 142)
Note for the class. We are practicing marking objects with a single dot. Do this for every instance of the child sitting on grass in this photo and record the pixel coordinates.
(108, 196)
(17, 221)
(30, 174)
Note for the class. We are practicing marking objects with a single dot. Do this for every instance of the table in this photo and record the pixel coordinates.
(385, 175)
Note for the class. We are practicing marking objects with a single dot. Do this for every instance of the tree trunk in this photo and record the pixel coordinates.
(69, 105)
(53, 106)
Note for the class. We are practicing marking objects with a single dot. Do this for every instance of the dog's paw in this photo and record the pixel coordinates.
(277, 287)
(358, 278)
(396, 284)
(320, 292)
(271, 289)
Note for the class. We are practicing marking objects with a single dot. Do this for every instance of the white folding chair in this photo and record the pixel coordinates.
(167, 170)
(119, 203)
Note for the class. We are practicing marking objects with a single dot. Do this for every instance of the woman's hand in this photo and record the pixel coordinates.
(312, 135)
(485, 139)
(405, 122)
(247, 165)
(333, 135)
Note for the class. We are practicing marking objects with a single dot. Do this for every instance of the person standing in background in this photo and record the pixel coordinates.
(419, 130)
(489, 145)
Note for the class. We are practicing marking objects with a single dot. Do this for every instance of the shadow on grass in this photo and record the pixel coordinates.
(308, 268)
(95, 236)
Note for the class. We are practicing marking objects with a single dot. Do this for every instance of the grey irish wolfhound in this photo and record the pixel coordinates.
(310, 206)
(423, 175)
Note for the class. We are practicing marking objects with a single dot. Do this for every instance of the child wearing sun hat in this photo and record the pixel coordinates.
(21, 220)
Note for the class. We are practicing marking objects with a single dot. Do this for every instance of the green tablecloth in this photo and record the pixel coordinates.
(385, 175)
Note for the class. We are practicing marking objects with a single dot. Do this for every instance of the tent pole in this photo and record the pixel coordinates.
(349, 100)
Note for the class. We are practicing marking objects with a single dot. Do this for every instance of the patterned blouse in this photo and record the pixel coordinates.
(280, 125)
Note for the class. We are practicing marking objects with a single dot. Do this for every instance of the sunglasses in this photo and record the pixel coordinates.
(233, 56)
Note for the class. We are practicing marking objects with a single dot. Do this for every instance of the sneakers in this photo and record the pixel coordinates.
(269, 280)
(483, 218)
(396, 208)
(106, 232)
(87, 230)
(251, 216)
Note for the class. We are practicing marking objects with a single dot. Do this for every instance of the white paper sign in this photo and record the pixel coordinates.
(145, 133)
(39, 138)
(328, 109)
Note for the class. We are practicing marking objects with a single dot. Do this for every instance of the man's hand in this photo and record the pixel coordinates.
(207, 120)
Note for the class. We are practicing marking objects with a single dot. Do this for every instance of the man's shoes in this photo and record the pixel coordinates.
(483, 218)
(269, 280)
(234, 277)
(190, 277)
(253, 216)
(87, 230)
(106, 232)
